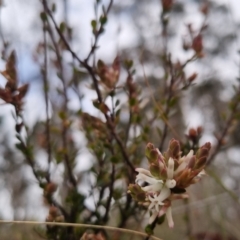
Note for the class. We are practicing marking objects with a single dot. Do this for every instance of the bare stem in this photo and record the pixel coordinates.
(46, 98)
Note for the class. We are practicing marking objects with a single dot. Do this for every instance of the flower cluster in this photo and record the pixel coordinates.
(168, 176)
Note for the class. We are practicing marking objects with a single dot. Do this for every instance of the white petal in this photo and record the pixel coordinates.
(164, 194)
(157, 207)
(190, 154)
(153, 188)
(171, 183)
(170, 168)
(160, 154)
(151, 205)
(169, 217)
(202, 173)
(153, 217)
(148, 179)
(144, 171)
(184, 162)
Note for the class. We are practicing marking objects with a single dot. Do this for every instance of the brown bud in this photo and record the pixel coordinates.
(163, 174)
(149, 147)
(141, 197)
(59, 218)
(136, 192)
(134, 189)
(23, 90)
(174, 148)
(53, 211)
(192, 162)
(201, 162)
(50, 188)
(199, 130)
(49, 218)
(153, 156)
(101, 106)
(155, 171)
(167, 5)
(183, 179)
(192, 77)
(91, 236)
(109, 75)
(207, 145)
(204, 8)
(192, 133)
(197, 44)
(202, 152)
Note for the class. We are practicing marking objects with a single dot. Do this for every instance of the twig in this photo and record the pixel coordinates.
(187, 219)
(108, 205)
(167, 109)
(46, 98)
(153, 225)
(64, 127)
(161, 111)
(98, 33)
(224, 133)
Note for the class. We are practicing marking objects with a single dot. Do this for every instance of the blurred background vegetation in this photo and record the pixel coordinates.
(212, 211)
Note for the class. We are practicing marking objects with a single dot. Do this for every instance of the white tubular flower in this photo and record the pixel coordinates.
(199, 176)
(157, 199)
(164, 194)
(168, 211)
(144, 171)
(153, 217)
(202, 173)
(169, 217)
(170, 182)
(159, 191)
(184, 162)
(155, 185)
(157, 202)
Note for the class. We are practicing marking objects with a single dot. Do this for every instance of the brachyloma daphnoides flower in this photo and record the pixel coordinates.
(168, 176)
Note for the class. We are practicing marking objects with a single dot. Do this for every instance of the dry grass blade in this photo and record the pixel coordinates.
(80, 225)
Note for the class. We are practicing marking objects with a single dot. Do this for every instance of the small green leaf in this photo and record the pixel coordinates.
(94, 25)
(128, 64)
(118, 112)
(117, 194)
(173, 102)
(161, 219)
(62, 115)
(159, 131)
(114, 159)
(148, 229)
(103, 20)
(53, 7)
(62, 26)
(132, 101)
(43, 16)
(19, 146)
